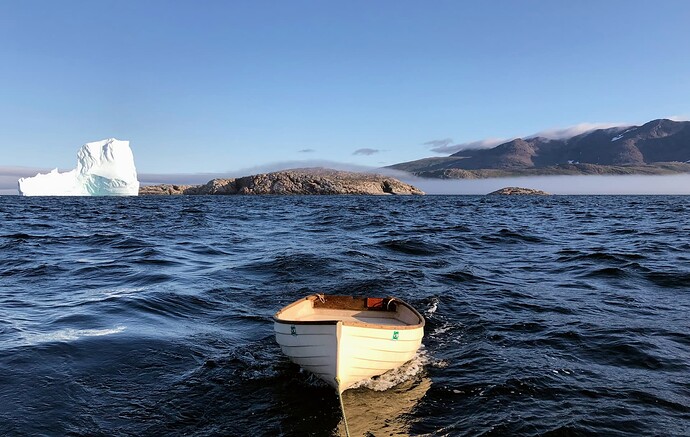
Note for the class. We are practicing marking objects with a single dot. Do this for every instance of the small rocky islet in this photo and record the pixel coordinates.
(519, 191)
(297, 181)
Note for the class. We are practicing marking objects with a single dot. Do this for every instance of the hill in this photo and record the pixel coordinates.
(658, 147)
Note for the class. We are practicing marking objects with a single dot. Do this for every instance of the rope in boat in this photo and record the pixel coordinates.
(388, 304)
(342, 408)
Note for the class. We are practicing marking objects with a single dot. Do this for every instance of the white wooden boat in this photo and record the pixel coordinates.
(345, 339)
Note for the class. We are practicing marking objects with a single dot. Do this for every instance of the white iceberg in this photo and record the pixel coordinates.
(104, 168)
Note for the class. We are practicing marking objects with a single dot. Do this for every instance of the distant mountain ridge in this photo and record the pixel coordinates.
(659, 146)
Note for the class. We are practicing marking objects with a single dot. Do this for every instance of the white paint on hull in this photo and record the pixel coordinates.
(312, 347)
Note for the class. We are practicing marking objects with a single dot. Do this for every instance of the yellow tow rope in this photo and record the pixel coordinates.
(342, 407)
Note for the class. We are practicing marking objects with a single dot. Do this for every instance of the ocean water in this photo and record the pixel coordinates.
(150, 316)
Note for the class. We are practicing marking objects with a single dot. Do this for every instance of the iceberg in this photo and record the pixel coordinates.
(104, 168)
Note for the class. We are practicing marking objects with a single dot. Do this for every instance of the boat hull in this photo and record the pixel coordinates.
(367, 352)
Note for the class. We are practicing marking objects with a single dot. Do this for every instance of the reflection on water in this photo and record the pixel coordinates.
(371, 412)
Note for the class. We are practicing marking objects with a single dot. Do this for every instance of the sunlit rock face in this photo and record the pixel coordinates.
(104, 168)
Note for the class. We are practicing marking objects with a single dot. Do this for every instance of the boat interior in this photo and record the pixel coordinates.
(383, 312)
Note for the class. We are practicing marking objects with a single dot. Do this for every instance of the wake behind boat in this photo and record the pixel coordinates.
(345, 339)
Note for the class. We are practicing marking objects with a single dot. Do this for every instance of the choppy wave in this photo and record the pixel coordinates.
(396, 376)
(150, 316)
(70, 334)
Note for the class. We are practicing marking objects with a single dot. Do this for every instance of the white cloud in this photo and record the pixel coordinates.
(679, 117)
(578, 129)
(366, 151)
(439, 143)
(481, 144)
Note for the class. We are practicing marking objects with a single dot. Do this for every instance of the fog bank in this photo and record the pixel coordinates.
(671, 184)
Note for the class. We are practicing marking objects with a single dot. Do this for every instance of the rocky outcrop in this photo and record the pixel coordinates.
(164, 189)
(297, 181)
(518, 191)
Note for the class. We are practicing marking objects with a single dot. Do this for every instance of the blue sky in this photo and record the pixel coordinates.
(216, 86)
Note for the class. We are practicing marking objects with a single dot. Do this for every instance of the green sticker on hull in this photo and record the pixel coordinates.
(396, 334)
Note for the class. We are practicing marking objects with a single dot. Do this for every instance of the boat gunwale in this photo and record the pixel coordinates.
(401, 326)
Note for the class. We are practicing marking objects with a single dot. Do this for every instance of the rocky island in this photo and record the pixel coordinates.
(518, 191)
(297, 181)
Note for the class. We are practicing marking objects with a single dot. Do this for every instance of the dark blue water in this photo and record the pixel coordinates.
(152, 316)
